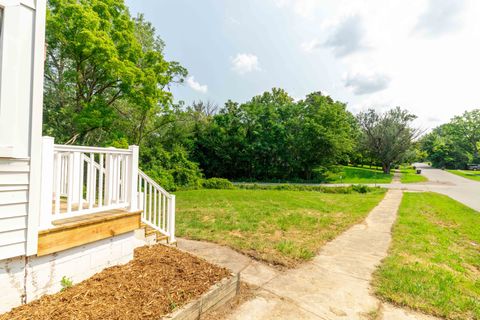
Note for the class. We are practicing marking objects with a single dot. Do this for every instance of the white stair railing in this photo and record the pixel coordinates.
(157, 205)
(78, 180)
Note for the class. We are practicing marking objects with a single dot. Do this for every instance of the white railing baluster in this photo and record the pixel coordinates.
(89, 177)
(124, 178)
(113, 178)
(58, 169)
(145, 197)
(69, 182)
(155, 213)
(164, 199)
(140, 195)
(150, 201)
(100, 181)
(117, 179)
(77, 158)
(80, 182)
(93, 181)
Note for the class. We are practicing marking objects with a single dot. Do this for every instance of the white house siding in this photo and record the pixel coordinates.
(16, 80)
(21, 83)
(24, 279)
(14, 175)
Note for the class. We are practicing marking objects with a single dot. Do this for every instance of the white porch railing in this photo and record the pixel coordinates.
(158, 206)
(78, 180)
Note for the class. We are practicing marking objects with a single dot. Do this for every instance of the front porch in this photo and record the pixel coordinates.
(91, 193)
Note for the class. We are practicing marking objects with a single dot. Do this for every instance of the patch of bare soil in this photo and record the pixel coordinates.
(245, 294)
(158, 280)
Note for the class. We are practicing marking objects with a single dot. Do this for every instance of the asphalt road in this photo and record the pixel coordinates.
(461, 189)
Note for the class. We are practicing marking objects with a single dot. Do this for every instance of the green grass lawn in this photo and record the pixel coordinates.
(279, 227)
(359, 175)
(472, 175)
(409, 175)
(434, 260)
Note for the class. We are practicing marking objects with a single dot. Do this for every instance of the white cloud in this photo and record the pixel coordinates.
(347, 37)
(440, 17)
(363, 83)
(303, 8)
(245, 62)
(202, 88)
(309, 46)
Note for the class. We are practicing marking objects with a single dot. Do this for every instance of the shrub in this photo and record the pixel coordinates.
(360, 188)
(171, 169)
(217, 183)
(299, 187)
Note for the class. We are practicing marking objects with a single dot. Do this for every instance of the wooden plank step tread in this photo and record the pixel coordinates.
(89, 219)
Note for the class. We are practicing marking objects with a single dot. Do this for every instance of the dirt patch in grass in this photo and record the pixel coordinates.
(245, 294)
(158, 280)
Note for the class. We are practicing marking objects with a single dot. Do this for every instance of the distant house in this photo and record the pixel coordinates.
(65, 211)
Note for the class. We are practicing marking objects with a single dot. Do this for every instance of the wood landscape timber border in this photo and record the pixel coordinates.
(219, 294)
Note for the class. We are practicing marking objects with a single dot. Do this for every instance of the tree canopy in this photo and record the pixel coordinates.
(388, 136)
(273, 137)
(454, 144)
(105, 73)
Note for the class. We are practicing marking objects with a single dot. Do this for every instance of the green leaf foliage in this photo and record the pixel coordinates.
(455, 144)
(217, 183)
(273, 137)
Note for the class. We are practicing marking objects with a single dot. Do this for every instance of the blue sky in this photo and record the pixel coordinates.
(419, 54)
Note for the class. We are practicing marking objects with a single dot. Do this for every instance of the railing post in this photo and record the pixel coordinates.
(46, 191)
(133, 178)
(171, 219)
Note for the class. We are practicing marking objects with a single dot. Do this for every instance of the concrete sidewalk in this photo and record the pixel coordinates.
(334, 285)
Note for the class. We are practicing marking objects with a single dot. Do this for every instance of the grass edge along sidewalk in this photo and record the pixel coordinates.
(468, 174)
(434, 262)
(280, 227)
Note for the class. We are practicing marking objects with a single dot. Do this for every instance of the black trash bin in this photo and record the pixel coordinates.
(419, 171)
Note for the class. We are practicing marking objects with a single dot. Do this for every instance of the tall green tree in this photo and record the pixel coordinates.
(106, 76)
(387, 136)
(443, 149)
(465, 130)
(273, 137)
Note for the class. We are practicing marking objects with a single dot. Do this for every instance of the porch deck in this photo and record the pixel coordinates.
(93, 193)
(91, 218)
(76, 231)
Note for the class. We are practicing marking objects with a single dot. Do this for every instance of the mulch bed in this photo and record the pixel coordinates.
(157, 281)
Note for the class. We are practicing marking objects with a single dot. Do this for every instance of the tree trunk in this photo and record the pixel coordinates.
(386, 168)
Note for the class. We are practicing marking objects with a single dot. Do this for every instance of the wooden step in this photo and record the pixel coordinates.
(151, 231)
(76, 231)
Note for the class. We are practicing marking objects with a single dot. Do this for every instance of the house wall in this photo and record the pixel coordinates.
(24, 279)
(14, 176)
(21, 97)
